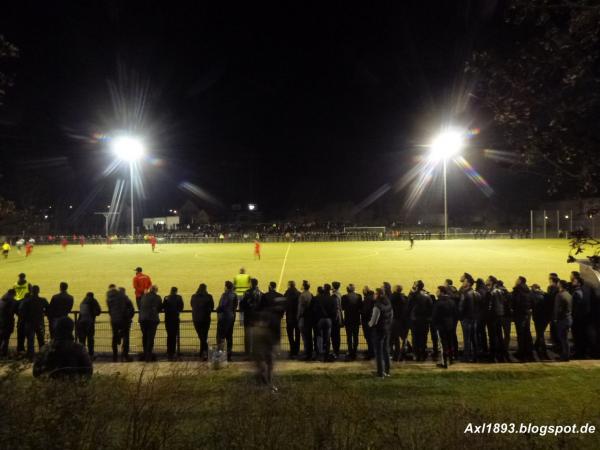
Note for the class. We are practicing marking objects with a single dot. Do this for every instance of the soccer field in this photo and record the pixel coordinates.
(94, 267)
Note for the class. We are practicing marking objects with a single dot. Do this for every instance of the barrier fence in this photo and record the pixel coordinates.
(189, 344)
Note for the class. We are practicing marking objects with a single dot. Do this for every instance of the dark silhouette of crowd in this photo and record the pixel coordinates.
(486, 309)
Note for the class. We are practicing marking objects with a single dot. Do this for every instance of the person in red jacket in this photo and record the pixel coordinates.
(64, 243)
(256, 250)
(153, 241)
(28, 248)
(141, 284)
(82, 240)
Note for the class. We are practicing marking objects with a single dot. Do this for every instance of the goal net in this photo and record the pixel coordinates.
(378, 231)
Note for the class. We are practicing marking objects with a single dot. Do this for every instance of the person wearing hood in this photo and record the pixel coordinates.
(63, 357)
(522, 307)
(226, 318)
(86, 322)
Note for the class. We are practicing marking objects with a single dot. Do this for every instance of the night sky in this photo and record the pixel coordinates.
(291, 107)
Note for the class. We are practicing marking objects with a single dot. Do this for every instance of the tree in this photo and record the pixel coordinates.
(7, 51)
(542, 86)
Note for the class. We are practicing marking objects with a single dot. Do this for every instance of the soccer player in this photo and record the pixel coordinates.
(63, 243)
(5, 249)
(28, 248)
(141, 283)
(412, 240)
(153, 241)
(257, 250)
(20, 244)
(82, 240)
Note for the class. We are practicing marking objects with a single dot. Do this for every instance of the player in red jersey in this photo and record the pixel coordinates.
(256, 250)
(64, 243)
(153, 241)
(28, 248)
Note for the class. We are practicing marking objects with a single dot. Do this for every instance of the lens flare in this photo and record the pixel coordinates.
(474, 176)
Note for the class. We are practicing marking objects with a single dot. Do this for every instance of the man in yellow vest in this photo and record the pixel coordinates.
(22, 287)
(241, 283)
(5, 249)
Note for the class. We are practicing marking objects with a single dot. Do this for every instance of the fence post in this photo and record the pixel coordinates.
(531, 221)
(545, 224)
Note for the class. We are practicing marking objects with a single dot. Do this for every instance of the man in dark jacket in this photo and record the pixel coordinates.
(306, 321)
(455, 296)
(541, 308)
(249, 307)
(381, 324)
(202, 306)
(32, 311)
(325, 310)
(563, 308)
(172, 305)
(365, 316)
(89, 309)
(420, 307)
(522, 307)
(443, 317)
(337, 322)
(291, 318)
(470, 301)
(351, 307)
(581, 316)
(226, 318)
(61, 305)
(150, 307)
(551, 292)
(8, 309)
(269, 300)
(63, 357)
(121, 312)
(500, 322)
(400, 324)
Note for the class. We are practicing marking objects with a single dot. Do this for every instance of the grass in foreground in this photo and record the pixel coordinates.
(314, 409)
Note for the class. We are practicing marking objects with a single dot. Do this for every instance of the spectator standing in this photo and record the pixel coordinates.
(172, 306)
(202, 304)
(89, 309)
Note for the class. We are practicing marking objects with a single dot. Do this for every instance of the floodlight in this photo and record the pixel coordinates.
(446, 145)
(128, 148)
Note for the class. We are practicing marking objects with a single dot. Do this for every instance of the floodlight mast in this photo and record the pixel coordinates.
(129, 149)
(444, 146)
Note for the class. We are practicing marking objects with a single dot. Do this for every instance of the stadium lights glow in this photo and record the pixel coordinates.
(128, 148)
(251, 207)
(446, 144)
(566, 217)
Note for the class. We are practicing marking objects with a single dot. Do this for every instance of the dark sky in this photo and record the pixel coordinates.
(287, 106)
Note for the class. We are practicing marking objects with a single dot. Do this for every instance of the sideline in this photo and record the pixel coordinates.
(283, 266)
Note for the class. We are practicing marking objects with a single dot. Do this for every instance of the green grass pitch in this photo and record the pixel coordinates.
(94, 267)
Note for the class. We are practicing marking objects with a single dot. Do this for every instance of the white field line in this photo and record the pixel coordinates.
(283, 265)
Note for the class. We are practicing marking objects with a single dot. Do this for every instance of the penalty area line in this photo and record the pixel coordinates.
(283, 265)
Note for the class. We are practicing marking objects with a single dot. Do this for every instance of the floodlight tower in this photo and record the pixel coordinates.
(447, 144)
(129, 149)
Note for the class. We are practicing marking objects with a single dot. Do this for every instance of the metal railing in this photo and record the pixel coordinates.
(188, 342)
